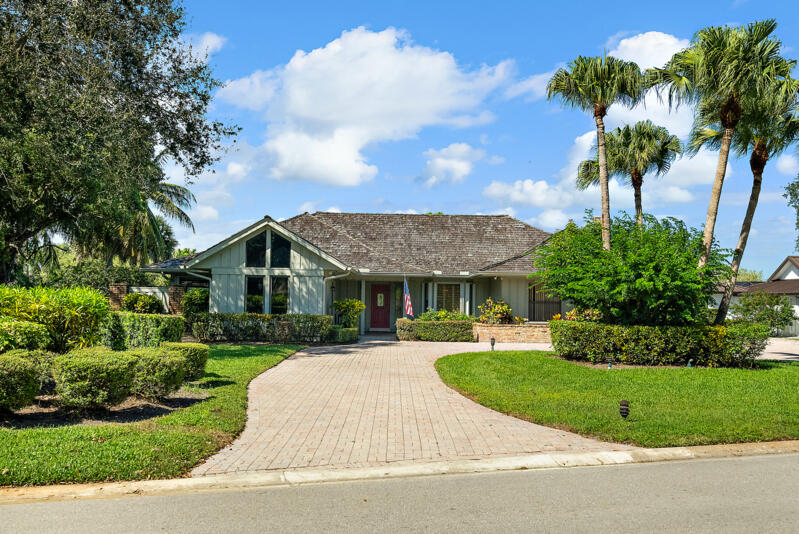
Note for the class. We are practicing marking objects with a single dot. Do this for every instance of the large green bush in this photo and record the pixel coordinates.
(196, 355)
(340, 334)
(42, 360)
(73, 316)
(773, 310)
(733, 345)
(95, 377)
(195, 301)
(18, 382)
(16, 334)
(300, 328)
(408, 330)
(142, 303)
(159, 372)
(125, 330)
(350, 311)
(495, 312)
(650, 275)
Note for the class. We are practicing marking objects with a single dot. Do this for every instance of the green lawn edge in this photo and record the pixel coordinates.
(669, 406)
(162, 447)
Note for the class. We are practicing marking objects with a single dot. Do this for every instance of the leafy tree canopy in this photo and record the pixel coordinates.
(773, 310)
(92, 94)
(650, 275)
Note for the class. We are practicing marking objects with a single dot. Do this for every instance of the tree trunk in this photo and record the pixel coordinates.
(599, 113)
(757, 162)
(8, 259)
(637, 181)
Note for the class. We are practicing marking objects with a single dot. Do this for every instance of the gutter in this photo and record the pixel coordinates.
(337, 276)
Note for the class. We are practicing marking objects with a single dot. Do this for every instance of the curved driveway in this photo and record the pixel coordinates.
(374, 403)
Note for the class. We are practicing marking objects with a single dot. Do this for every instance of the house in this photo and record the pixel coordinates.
(303, 264)
(784, 281)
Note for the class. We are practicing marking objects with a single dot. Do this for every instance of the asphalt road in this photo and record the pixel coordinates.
(754, 494)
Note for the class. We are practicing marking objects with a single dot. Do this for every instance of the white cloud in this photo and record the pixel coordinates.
(203, 212)
(538, 193)
(450, 164)
(333, 209)
(788, 165)
(252, 92)
(503, 211)
(325, 106)
(649, 49)
(551, 219)
(308, 206)
(205, 44)
(533, 87)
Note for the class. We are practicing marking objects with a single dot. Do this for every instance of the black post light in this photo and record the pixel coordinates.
(493, 340)
(624, 409)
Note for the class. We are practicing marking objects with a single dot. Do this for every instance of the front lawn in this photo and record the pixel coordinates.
(668, 406)
(161, 447)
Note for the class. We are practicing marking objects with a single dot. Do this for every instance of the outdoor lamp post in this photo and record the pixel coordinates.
(493, 340)
(624, 409)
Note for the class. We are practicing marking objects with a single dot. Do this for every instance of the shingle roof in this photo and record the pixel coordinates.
(398, 243)
(780, 287)
(172, 264)
(794, 260)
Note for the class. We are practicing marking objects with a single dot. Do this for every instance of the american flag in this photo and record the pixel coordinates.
(408, 306)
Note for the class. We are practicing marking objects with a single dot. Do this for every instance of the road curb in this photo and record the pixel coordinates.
(294, 477)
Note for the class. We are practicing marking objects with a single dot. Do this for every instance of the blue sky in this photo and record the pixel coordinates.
(439, 106)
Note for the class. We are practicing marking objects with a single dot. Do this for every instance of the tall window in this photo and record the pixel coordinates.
(280, 295)
(256, 251)
(448, 297)
(281, 251)
(255, 294)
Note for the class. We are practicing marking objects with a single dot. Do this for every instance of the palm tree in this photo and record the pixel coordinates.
(722, 69)
(632, 152)
(594, 84)
(768, 126)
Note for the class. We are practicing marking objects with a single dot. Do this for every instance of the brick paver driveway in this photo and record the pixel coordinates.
(375, 403)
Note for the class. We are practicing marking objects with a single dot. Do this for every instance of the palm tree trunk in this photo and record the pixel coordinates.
(757, 162)
(603, 176)
(637, 181)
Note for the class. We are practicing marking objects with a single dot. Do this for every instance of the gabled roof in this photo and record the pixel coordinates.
(793, 260)
(405, 243)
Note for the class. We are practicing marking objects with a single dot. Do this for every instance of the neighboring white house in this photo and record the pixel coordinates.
(303, 264)
(784, 281)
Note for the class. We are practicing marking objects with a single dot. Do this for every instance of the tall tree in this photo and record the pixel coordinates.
(768, 126)
(90, 92)
(632, 153)
(722, 69)
(593, 84)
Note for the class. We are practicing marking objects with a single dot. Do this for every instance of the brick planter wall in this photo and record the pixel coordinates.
(175, 295)
(512, 333)
(117, 292)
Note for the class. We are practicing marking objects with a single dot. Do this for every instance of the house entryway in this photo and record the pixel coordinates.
(380, 308)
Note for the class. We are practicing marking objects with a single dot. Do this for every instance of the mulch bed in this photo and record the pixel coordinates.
(47, 413)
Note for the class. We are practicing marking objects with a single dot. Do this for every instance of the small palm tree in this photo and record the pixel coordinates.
(632, 153)
(768, 126)
(593, 84)
(722, 69)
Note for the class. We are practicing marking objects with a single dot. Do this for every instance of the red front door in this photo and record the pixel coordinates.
(381, 301)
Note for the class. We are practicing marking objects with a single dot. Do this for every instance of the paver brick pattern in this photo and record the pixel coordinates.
(374, 403)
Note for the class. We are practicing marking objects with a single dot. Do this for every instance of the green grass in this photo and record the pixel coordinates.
(668, 406)
(162, 447)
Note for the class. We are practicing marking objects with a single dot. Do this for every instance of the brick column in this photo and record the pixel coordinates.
(175, 295)
(117, 292)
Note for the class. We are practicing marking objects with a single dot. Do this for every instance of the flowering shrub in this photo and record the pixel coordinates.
(498, 312)
(443, 315)
(578, 314)
(350, 311)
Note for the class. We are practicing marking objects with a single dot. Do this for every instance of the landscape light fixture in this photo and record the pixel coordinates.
(492, 343)
(624, 409)
(690, 363)
(609, 359)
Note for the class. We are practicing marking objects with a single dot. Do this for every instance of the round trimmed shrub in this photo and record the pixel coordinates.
(18, 334)
(42, 360)
(94, 377)
(158, 372)
(18, 382)
(196, 355)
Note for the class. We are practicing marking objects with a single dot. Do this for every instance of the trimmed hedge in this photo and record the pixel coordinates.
(341, 334)
(159, 372)
(142, 303)
(196, 355)
(18, 382)
(125, 330)
(290, 327)
(731, 345)
(195, 301)
(73, 316)
(95, 377)
(16, 334)
(42, 360)
(408, 330)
